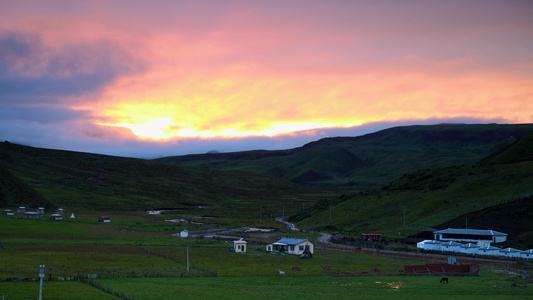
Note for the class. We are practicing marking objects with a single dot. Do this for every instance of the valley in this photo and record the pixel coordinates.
(476, 176)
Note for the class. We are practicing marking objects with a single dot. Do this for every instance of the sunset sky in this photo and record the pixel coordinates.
(160, 78)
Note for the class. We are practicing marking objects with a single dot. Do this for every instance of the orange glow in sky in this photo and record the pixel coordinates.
(208, 69)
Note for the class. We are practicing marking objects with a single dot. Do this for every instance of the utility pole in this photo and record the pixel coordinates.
(41, 276)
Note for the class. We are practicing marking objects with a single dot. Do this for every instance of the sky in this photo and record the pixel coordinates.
(160, 78)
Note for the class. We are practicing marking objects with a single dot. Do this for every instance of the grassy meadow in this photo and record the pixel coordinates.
(115, 252)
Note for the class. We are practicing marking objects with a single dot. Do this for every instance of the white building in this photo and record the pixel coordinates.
(239, 246)
(290, 246)
(184, 233)
(430, 245)
(527, 254)
(451, 247)
(56, 217)
(489, 250)
(510, 252)
(469, 248)
(480, 236)
(8, 212)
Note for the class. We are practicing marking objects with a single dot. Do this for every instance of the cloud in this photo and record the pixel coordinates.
(33, 72)
(254, 74)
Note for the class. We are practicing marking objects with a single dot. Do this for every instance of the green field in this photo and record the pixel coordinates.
(115, 252)
(487, 286)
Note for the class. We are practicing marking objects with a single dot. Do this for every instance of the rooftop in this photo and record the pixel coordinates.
(289, 241)
(470, 231)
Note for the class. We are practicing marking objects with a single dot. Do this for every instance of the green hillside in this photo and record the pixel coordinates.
(369, 161)
(41, 177)
(427, 198)
(15, 192)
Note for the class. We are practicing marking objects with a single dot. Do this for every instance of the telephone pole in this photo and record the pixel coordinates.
(41, 276)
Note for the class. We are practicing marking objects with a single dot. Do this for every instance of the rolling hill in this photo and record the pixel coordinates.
(43, 177)
(495, 193)
(368, 161)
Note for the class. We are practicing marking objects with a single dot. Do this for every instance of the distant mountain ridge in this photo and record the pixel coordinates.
(368, 161)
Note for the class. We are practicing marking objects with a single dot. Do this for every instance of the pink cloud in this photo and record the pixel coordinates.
(258, 67)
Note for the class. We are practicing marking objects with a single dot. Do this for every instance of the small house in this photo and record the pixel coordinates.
(184, 233)
(527, 254)
(469, 248)
(31, 215)
(56, 217)
(489, 250)
(21, 209)
(430, 245)
(451, 247)
(510, 252)
(8, 212)
(104, 219)
(290, 246)
(60, 211)
(372, 236)
(239, 246)
(40, 210)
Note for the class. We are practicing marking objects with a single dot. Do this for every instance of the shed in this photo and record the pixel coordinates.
(104, 219)
(372, 236)
(60, 211)
(451, 246)
(469, 248)
(527, 254)
(430, 245)
(56, 217)
(31, 215)
(510, 252)
(184, 233)
(8, 212)
(239, 246)
(40, 210)
(21, 209)
(489, 250)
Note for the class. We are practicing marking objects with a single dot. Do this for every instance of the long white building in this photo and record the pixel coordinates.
(477, 242)
(481, 237)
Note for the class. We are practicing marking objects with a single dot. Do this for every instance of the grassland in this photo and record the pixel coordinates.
(115, 252)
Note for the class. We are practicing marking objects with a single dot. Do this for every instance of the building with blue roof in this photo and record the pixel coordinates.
(290, 246)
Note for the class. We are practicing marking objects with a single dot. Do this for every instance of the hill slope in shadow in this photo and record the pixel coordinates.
(45, 177)
(368, 161)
